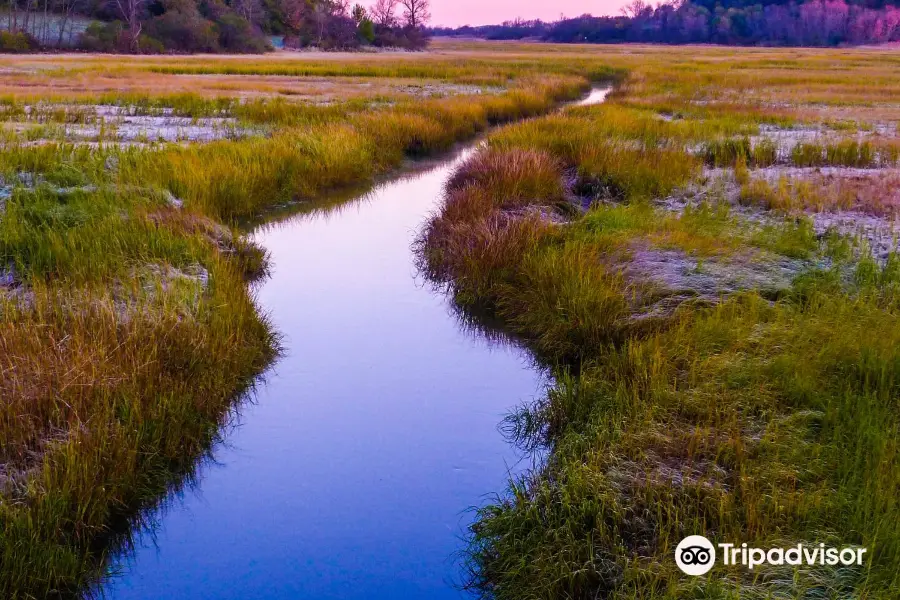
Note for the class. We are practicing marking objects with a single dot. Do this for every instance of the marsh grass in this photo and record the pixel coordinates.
(745, 416)
(113, 368)
(869, 192)
(108, 393)
(598, 155)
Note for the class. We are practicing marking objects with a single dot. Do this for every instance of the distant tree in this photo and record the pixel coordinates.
(384, 13)
(636, 8)
(250, 10)
(824, 23)
(293, 14)
(874, 26)
(236, 34)
(182, 28)
(132, 11)
(415, 12)
(367, 30)
(67, 8)
(694, 21)
(364, 26)
(761, 22)
(358, 13)
(323, 13)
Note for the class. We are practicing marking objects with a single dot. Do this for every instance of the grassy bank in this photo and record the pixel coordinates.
(127, 330)
(718, 370)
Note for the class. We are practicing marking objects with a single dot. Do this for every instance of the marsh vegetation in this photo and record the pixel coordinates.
(702, 259)
(706, 258)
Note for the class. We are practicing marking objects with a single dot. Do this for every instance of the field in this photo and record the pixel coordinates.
(704, 259)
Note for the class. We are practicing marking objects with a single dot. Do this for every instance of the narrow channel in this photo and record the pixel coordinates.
(351, 473)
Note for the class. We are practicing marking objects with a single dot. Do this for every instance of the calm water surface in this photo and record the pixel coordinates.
(350, 476)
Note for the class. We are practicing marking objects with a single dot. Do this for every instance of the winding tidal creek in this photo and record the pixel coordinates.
(351, 474)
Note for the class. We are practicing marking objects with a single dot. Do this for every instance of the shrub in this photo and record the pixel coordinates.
(102, 37)
(150, 45)
(16, 42)
(176, 30)
(410, 38)
(340, 34)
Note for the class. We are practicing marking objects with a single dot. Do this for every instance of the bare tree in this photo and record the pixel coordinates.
(11, 13)
(45, 25)
(358, 13)
(251, 10)
(295, 13)
(323, 12)
(320, 17)
(383, 12)
(636, 8)
(30, 7)
(67, 8)
(415, 12)
(130, 11)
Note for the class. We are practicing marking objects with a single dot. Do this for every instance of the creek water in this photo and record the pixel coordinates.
(351, 474)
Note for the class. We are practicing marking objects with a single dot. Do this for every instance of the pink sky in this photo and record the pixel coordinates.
(483, 12)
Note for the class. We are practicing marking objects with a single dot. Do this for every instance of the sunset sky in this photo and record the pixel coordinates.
(482, 12)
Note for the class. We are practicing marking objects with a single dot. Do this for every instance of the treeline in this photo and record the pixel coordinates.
(517, 29)
(813, 23)
(188, 26)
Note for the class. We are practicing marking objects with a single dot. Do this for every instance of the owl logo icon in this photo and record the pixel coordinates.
(695, 555)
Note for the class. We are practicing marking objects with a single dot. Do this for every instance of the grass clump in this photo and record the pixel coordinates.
(608, 164)
(512, 176)
(724, 153)
(846, 153)
(730, 151)
(124, 342)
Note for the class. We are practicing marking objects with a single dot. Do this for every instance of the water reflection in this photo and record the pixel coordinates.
(351, 475)
(596, 96)
(139, 529)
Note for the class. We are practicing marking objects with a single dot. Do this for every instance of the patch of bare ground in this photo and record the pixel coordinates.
(857, 202)
(133, 129)
(663, 279)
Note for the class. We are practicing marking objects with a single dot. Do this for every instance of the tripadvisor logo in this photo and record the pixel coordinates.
(696, 555)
